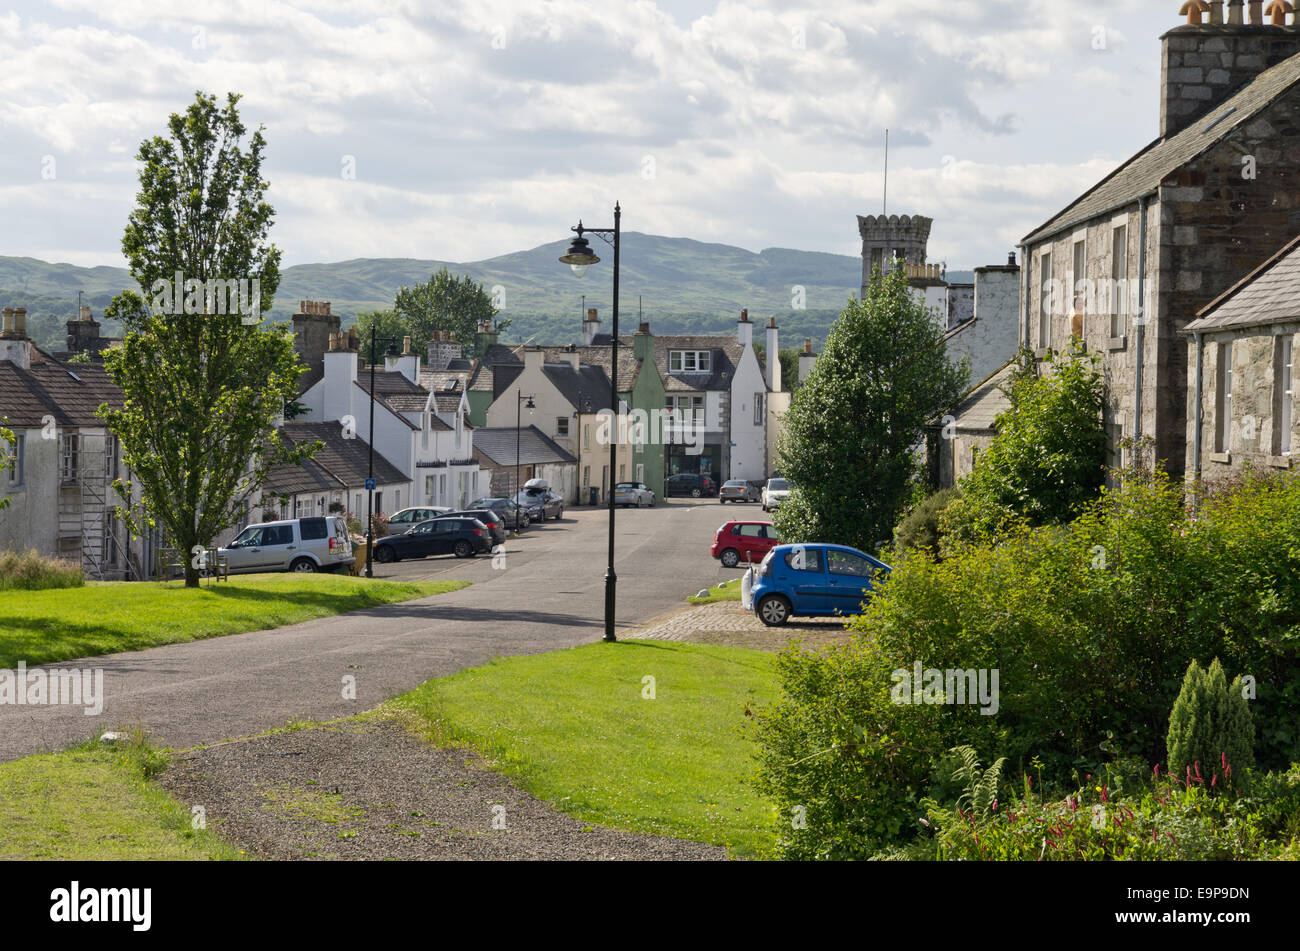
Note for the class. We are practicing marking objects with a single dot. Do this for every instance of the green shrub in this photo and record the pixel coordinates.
(1090, 626)
(30, 571)
(1164, 819)
(1048, 457)
(919, 529)
(1210, 729)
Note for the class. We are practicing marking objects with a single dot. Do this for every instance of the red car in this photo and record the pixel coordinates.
(743, 541)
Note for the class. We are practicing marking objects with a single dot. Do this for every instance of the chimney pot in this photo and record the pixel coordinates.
(807, 345)
(1216, 12)
(406, 346)
(771, 322)
(1257, 12)
(744, 315)
(591, 314)
(1234, 12)
(645, 327)
(1194, 9)
(1278, 10)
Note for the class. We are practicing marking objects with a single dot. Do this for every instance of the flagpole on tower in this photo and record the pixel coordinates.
(884, 202)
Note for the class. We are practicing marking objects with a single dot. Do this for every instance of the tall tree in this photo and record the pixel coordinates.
(202, 379)
(387, 325)
(849, 446)
(446, 303)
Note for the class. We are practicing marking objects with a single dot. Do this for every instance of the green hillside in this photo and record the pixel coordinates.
(683, 285)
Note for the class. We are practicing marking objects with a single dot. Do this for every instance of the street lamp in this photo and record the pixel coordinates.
(370, 479)
(579, 257)
(519, 423)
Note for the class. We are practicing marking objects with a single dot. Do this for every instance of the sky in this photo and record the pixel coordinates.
(463, 129)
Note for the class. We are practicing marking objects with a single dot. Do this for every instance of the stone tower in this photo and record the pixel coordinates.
(884, 238)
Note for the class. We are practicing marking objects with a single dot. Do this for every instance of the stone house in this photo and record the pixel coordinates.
(64, 460)
(1129, 264)
(1241, 381)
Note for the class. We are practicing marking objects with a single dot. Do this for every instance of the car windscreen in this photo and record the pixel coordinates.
(777, 485)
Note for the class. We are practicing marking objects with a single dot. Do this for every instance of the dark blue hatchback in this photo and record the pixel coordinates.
(815, 581)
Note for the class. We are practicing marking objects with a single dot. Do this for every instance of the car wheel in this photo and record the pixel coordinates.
(730, 558)
(384, 554)
(463, 549)
(303, 564)
(695, 493)
(774, 610)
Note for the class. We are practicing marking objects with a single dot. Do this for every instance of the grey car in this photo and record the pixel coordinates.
(296, 544)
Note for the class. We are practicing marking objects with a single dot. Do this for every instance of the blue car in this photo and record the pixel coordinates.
(815, 581)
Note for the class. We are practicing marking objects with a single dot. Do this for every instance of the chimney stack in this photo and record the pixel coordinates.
(14, 345)
(806, 360)
(773, 358)
(590, 327)
(313, 327)
(744, 329)
(1205, 63)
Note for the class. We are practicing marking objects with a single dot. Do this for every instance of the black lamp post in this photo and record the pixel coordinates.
(519, 423)
(580, 257)
(370, 480)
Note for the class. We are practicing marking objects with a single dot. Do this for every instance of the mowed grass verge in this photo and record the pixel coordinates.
(42, 627)
(96, 801)
(576, 727)
(723, 591)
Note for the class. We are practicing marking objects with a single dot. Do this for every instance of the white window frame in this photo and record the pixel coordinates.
(17, 458)
(690, 361)
(1119, 279)
(1044, 299)
(69, 457)
(758, 409)
(1286, 387)
(1078, 274)
(1223, 400)
(562, 426)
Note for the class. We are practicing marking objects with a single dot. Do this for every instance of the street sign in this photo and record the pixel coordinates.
(370, 485)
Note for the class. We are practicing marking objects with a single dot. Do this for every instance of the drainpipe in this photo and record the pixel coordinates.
(1196, 433)
(1028, 279)
(1140, 329)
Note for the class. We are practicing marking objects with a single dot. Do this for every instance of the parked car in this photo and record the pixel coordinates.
(737, 490)
(690, 483)
(735, 542)
(295, 544)
(462, 537)
(774, 493)
(633, 493)
(539, 501)
(813, 580)
(404, 519)
(495, 522)
(514, 514)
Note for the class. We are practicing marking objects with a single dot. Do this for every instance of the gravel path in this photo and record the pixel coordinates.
(370, 790)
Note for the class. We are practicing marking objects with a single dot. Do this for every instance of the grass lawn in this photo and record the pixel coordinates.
(94, 802)
(573, 727)
(718, 593)
(41, 627)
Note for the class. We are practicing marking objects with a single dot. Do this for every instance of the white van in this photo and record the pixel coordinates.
(296, 544)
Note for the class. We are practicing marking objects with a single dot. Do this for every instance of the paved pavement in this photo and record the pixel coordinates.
(549, 595)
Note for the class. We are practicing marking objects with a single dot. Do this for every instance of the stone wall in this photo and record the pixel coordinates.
(1253, 421)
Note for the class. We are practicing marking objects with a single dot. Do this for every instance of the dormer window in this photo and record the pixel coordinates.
(689, 361)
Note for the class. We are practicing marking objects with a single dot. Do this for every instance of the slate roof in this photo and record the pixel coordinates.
(339, 464)
(70, 392)
(1267, 295)
(1144, 172)
(983, 402)
(726, 350)
(495, 447)
(393, 394)
(500, 356)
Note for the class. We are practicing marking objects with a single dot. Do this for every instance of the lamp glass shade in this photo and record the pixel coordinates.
(579, 270)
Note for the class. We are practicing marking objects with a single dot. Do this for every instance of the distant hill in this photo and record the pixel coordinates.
(683, 285)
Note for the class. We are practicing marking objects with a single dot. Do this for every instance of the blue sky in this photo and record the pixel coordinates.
(480, 128)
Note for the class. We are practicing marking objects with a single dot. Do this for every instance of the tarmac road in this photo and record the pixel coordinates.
(549, 595)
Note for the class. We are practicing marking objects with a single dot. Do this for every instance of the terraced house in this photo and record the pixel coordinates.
(1129, 265)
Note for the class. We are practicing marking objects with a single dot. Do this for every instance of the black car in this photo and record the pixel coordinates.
(693, 484)
(495, 522)
(462, 537)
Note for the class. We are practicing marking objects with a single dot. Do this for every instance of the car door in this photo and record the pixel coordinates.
(768, 540)
(805, 570)
(445, 534)
(242, 553)
(418, 541)
(750, 539)
(279, 546)
(850, 577)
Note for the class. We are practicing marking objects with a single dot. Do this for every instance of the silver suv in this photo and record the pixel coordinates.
(296, 544)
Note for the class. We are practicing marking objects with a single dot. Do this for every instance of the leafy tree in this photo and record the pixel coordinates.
(1048, 457)
(848, 446)
(446, 303)
(387, 324)
(1210, 728)
(201, 390)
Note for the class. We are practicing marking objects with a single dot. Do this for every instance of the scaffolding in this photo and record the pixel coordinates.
(87, 467)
